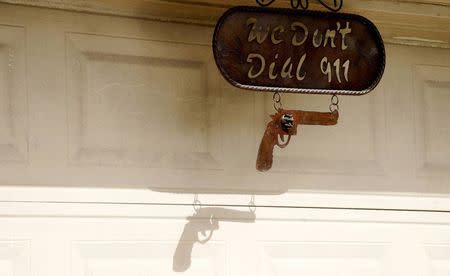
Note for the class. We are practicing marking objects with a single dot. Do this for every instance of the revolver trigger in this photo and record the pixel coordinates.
(283, 144)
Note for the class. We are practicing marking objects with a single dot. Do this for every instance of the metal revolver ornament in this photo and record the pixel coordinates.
(284, 124)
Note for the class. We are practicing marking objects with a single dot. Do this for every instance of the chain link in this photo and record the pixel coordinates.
(277, 101)
(295, 4)
(197, 205)
(264, 3)
(304, 4)
(334, 103)
(251, 204)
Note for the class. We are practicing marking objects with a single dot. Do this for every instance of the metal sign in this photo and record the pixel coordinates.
(286, 50)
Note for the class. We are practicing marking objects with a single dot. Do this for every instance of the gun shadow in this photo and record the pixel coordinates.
(205, 221)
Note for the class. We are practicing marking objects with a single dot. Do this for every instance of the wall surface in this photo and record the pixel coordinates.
(114, 119)
(83, 97)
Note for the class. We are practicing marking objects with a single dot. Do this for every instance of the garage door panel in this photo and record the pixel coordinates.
(145, 258)
(439, 258)
(289, 258)
(13, 95)
(120, 111)
(432, 84)
(361, 153)
(14, 258)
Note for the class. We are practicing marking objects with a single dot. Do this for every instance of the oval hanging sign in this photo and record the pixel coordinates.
(296, 51)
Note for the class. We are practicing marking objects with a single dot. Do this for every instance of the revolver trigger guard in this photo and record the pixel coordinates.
(214, 224)
(207, 238)
(284, 144)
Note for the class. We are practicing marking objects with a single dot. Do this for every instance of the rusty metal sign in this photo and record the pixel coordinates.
(284, 50)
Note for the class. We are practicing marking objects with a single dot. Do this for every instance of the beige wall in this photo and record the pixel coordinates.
(91, 100)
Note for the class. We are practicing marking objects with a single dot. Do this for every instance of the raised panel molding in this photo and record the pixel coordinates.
(137, 258)
(13, 95)
(432, 97)
(321, 259)
(121, 113)
(439, 259)
(14, 258)
(330, 149)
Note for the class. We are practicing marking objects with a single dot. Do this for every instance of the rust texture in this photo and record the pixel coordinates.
(296, 51)
(275, 131)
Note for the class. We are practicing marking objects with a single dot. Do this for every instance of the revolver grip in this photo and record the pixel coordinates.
(265, 152)
(183, 252)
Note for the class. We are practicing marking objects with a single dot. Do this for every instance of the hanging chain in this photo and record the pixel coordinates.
(334, 103)
(304, 4)
(197, 205)
(251, 204)
(277, 101)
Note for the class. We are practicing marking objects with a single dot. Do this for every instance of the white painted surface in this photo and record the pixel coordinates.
(108, 126)
(93, 239)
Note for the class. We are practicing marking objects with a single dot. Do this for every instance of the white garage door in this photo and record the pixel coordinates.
(110, 126)
(94, 239)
